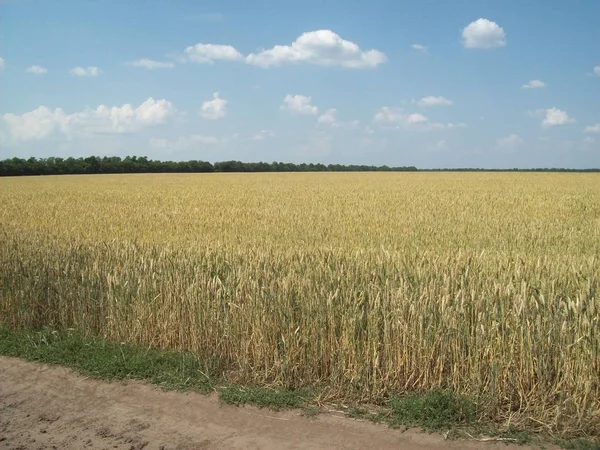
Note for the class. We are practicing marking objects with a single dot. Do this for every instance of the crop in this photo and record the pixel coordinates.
(368, 285)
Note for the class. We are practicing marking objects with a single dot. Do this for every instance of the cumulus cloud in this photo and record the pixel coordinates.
(419, 47)
(298, 104)
(215, 108)
(91, 71)
(483, 33)
(1, 63)
(42, 122)
(596, 70)
(434, 101)
(151, 64)
(413, 119)
(208, 53)
(593, 128)
(534, 84)
(556, 117)
(321, 47)
(262, 135)
(400, 119)
(509, 142)
(38, 70)
(329, 118)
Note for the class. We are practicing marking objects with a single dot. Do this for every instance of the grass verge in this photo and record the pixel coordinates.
(436, 411)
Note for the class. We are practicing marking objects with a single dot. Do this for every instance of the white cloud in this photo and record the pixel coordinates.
(511, 141)
(322, 47)
(208, 53)
(416, 118)
(483, 33)
(151, 64)
(184, 142)
(38, 70)
(534, 84)
(215, 108)
(298, 104)
(434, 101)
(556, 117)
(597, 70)
(419, 47)
(593, 128)
(400, 119)
(1, 63)
(91, 71)
(262, 135)
(329, 118)
(43, 123)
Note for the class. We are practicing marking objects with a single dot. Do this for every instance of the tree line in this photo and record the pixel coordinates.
(134, 164)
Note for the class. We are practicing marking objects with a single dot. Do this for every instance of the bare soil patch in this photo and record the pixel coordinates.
(50, 407)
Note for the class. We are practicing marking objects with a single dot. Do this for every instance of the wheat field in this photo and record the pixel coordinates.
(367, 284)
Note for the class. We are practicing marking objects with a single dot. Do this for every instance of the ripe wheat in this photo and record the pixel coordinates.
(367, 284)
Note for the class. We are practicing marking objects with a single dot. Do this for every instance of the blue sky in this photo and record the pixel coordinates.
(431, 83)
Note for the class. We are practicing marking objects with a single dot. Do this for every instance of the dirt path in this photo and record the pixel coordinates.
(47, 407)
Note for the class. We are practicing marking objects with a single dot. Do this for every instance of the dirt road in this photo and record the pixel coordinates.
(48, 407)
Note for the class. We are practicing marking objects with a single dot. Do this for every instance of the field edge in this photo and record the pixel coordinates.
(437, 411)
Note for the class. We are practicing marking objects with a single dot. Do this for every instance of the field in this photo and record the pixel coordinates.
(366, 286)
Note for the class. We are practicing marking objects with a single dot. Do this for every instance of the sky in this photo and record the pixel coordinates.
(429, 83)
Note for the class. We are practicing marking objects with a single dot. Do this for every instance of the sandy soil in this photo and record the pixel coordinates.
(48, 407)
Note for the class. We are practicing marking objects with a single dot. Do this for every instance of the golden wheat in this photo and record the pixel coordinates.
(371, 284)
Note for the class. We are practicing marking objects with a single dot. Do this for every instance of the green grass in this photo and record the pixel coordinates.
(434, 411)
(99, 358)
(275, 399)
(578, 444)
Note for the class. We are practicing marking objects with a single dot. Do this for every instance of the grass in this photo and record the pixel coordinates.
(435, 410)
(258, 396)
(99, 358)
(375, 286)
